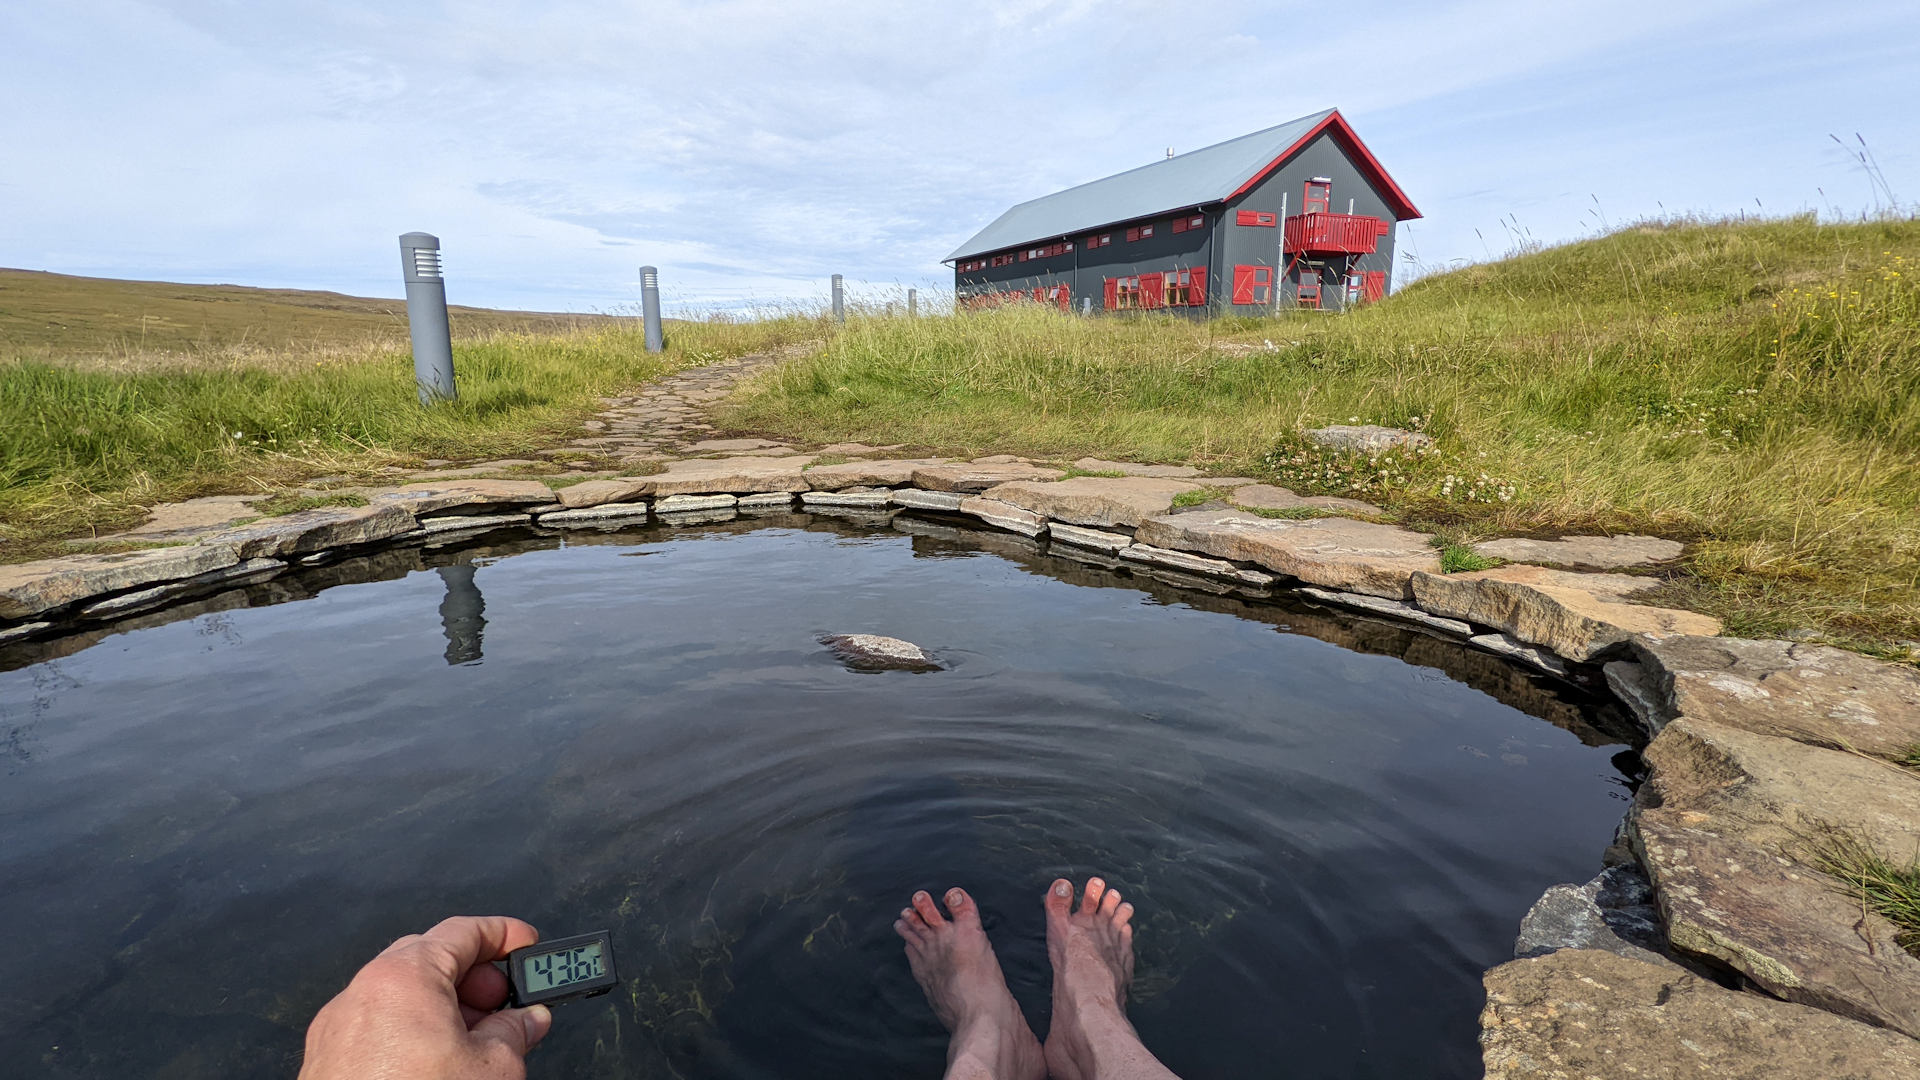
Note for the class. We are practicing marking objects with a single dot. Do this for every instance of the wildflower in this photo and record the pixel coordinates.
(236, 435)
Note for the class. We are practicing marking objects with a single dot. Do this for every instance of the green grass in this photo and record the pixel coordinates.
(1752, 389)
(289, 503)
(85, 443)
(1193, 498)
(1888, 888)
(1461, 559)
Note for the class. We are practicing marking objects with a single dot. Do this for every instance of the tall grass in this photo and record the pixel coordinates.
(1753, 388)
(84, 446)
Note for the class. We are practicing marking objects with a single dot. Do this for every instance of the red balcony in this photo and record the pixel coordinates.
(1334, 234)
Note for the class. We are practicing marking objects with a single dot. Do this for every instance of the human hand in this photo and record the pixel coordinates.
(425, 1009)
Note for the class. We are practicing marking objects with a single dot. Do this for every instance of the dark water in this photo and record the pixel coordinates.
(1330, 827)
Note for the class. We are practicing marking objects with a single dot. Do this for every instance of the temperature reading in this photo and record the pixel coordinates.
(565, 967)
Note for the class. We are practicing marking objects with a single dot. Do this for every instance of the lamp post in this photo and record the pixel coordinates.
(650, 306)
(427, 316)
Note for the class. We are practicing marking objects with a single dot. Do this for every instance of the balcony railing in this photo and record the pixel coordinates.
(1334, 234)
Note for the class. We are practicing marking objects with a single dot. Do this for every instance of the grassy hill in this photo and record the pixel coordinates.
(66, 317)
(115, 395)
(1752, 388)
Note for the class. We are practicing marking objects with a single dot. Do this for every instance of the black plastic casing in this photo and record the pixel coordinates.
(520, 998)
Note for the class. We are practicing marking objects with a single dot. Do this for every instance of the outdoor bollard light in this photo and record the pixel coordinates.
(650, 306)
(913, 303)
(839, 300)
(427, 316)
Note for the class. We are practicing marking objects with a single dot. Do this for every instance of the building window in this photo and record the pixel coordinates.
(1253, 284)
(1191, 221)
(1186, 288)
(1255, 217)
(1099, 241)
(1139, 232)
(1047, 252)
(971, 265)
(1003, 260)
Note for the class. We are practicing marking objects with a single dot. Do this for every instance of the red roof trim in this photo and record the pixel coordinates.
(1403, 207)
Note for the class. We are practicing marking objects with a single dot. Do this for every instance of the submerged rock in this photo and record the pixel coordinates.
(872, 652)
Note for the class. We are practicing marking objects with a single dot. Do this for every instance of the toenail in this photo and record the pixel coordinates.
(1061, 888)
(954, 896)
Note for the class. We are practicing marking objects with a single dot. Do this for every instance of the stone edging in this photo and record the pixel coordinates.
(1712, 883)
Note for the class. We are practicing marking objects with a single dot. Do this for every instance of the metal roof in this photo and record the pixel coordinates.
(1201, 176)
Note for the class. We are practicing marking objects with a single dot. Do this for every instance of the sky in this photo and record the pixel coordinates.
(751, 148)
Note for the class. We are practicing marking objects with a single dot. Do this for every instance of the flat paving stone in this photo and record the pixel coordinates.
(1585, 552)
(1580, 616)
(973, 478)
(1093, 501)
(1130, 468)
(1340, 553)
(28, 589)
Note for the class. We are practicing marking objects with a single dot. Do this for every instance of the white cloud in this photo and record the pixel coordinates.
(750, 148)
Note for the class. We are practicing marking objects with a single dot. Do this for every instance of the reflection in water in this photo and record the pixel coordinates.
(462, 613)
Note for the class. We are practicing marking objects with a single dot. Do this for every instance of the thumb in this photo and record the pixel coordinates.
(520, 1030)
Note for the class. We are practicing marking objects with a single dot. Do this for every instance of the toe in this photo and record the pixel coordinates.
(907, 931)
(965, 912)
(912, 918)
(1122, 914)
(1059, 901)
(929, 914)
(1090, 902)
(1110, 902)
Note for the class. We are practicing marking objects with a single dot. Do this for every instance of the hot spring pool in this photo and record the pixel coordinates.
(1330, 826)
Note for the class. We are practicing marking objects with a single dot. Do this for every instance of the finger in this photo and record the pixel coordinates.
(483, 987)
(519, 1030)
(455, 945)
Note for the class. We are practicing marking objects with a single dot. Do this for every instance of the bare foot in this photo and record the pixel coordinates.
(955, 965)
(1092, 954)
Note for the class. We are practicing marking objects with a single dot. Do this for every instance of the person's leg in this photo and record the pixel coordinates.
(1092, 954)
(955, 965)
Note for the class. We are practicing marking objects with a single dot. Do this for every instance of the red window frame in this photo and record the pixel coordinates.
(1002, 260)
(1316, 197)
(1099, 240)
(1259, 218)
(1252, 284)
(1190, 221)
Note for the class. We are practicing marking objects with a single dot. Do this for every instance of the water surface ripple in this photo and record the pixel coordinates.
(1329, 826)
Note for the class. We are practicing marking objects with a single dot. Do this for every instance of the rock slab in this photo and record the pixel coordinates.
(1129, 468)
(1273, 497)
(1095, 501)
(1585, 552)
(430, 498)
(915, 499)
(1004, 516)
(27, 589)
(976, 478)
(1814, 693)
(1340, 553)
(316, 530)
(1366, 438)
(864, 474)
(1615, 911)
(1397, 609)
(1583, 1014)
(1728, 827)
(1582, 617)
(1097, 539)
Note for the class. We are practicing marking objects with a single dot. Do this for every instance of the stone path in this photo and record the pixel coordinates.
(665, 418)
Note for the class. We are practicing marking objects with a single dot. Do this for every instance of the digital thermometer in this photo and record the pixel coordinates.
(562, 970)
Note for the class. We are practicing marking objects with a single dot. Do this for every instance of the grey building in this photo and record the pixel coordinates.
(1299, 215)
